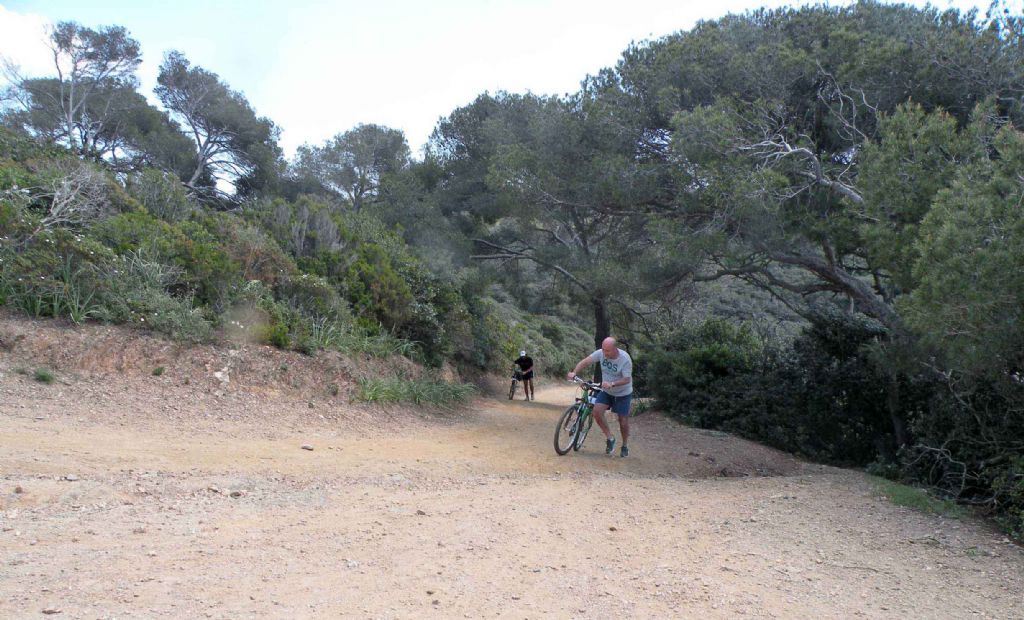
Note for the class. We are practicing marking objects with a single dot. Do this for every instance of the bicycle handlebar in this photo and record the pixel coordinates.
(588, 384)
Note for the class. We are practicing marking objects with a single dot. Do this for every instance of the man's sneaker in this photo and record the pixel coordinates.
(624, 452)
(609, 446)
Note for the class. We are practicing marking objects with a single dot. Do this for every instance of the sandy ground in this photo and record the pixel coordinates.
(141, 497)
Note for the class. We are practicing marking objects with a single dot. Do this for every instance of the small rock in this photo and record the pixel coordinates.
(213, 489)
(71, 477)
(429, 592)
(613, 529)
(19, 489)
(307, 446)
(421, 513)
(515, 598)
(139, 530)
(311, 405)
(435, 602)
(49, 611)
(236, 493)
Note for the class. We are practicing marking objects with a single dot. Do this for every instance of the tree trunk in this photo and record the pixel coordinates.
(899, 426)
(602, 328)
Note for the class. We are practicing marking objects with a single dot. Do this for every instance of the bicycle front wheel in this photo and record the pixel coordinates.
(512, 390)
(565, 432)
(586, 421)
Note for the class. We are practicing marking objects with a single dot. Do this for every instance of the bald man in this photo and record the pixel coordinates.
(616, 389)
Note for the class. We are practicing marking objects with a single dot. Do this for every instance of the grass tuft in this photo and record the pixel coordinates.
(435, 393)
(917, 499)
(43, 375)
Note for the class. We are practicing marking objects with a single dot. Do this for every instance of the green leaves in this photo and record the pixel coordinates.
(970, 298)
(918, 155)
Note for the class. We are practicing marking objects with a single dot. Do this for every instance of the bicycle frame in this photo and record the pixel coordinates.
(584, 419)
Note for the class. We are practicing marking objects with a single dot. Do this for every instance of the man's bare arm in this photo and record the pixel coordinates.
(583, 363)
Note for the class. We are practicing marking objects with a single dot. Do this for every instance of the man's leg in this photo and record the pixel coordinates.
(533, 395)
(599, 410)
(526, 388)
(621, 408)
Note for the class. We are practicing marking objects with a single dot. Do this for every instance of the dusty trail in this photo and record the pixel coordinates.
(447, 516)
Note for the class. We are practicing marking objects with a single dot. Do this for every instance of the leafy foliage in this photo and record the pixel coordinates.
(822, 396)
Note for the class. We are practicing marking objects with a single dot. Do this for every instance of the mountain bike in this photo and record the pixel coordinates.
(575, 423)
(516, 378)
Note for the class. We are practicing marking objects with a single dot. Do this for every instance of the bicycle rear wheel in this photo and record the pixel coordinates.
(565, 432)
(512, 390)
(587, 421)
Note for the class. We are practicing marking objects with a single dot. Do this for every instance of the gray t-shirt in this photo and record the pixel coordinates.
(615, 369)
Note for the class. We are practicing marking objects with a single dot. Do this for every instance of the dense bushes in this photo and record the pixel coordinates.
(969, 444)
(304, 275)
(835, 394)
(822, 396)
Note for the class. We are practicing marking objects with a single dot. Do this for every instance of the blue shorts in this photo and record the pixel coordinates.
(618, 404)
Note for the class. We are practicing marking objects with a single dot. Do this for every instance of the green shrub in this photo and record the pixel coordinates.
(161, 193)
(276, 334)
(257, 255)
(51, 275)
(313, 296)
(439, 321)
(43, 375)
(208, 272)
(378, 293)
(9, 216)
(158, 371)
(136, 291)
(697, 356)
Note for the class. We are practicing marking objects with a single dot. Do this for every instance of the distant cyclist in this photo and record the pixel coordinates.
(616, 389)
(525, 364)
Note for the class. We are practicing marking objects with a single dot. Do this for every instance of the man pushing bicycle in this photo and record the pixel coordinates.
(616, 389)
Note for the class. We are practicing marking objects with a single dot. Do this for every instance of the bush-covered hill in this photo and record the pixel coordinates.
(304, 275)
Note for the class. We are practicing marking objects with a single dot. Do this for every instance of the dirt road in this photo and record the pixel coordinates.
(118, 501)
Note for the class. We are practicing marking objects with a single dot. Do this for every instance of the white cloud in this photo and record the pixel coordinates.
(23, 42)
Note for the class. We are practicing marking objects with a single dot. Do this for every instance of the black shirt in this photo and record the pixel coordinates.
(524, 363)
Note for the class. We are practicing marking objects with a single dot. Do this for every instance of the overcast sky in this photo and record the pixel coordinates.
(318, 68)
